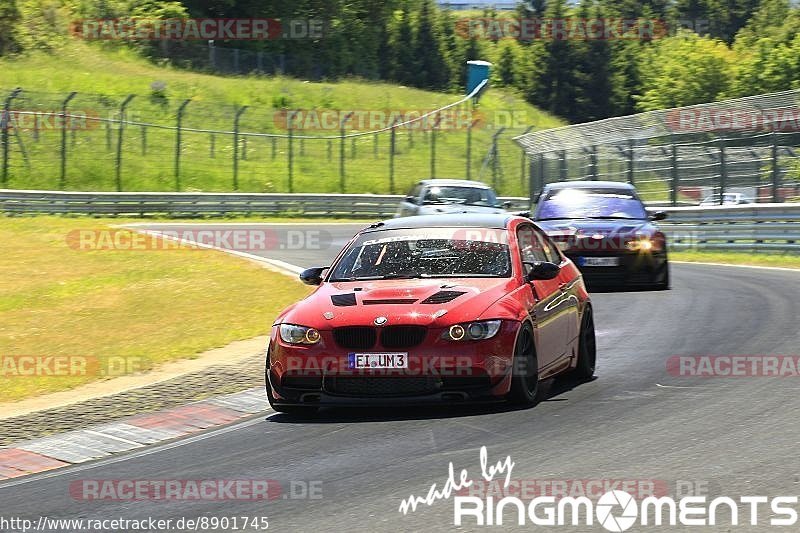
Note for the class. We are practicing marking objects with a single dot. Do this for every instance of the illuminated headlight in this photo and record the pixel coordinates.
(292, 334)
(473, 331)
(640, 245)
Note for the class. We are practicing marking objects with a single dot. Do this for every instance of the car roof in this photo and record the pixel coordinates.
(593, 184)
(489, 220)
(454, 182)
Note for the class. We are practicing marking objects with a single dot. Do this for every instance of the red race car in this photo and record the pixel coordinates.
(433, 309)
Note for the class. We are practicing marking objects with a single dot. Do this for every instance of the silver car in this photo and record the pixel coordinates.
(448, 196)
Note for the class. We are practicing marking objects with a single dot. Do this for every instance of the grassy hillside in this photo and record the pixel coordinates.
(103, 78)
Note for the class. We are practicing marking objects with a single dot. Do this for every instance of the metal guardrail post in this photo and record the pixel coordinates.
(673, 193)
(5, 124)
(118, 169)
(341, 152)
(62, 179)
(775, 169)
(630, 163)
(179, 121)
(593, 162)
(236, 147)
(723, 171)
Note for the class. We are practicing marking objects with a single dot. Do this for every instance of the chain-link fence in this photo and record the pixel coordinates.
(742, 150)
(80, 141)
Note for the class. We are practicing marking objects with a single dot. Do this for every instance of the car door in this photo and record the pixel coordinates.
(550, 307)
(568, 283)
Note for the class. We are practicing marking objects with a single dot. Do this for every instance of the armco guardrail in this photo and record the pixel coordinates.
(754, 227)
(744, 227)
(204, 204)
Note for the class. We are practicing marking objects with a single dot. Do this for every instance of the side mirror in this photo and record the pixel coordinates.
(536, 198)
(658, 215)
(507, 204)
(411, 199)
(312, 276)
(541, 270)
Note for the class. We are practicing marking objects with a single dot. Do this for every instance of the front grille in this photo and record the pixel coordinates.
(402, 336)
(355, 337)
(381, 386)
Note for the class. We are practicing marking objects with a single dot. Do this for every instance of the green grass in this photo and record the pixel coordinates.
(103, 77)
(738, 258)
(148, 307)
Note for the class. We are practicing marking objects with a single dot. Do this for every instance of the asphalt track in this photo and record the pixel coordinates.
(636, 421)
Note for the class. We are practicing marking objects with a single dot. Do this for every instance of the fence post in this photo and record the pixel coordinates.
(776, 173)
(5, 122)
(522, 162)
(562, 166)
(144, 140)
(118, 169)
(392, 140)
(723, 170)
(179, 121)
(469, 148)
(673, 194)
(236, 147)
(630, 163)
(62, 179)
(495, 156)
(290, 149)
(433, 144)
(341, 151)
(593, 162)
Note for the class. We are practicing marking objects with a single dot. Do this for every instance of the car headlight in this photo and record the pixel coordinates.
(292, 334)
(641, 245)
(473, 331)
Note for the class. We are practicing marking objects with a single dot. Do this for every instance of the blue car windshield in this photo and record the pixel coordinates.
(587, 202)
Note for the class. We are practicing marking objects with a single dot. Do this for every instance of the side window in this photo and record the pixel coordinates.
(530, 245)
(550, 250)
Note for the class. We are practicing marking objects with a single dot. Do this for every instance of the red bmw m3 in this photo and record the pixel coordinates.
(433, 309)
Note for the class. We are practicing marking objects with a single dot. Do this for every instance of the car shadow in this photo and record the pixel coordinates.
(550, 391)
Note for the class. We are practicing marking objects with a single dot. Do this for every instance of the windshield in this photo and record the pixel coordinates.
(590, 203)
(461, 195)
(425, 253)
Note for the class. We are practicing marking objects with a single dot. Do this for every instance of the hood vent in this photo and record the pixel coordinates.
(442, 297)
(389, 301)
(343, 300)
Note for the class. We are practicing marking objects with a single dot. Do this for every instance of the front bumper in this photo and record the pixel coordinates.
(634, 270)
(438, 372)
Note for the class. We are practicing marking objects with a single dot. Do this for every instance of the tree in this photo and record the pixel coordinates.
(683, 70)
(431, 71)
(9, 18)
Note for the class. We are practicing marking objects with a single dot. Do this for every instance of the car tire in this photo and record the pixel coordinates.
(294, 410)
(525, 370)
(663, 285)
(587, 348)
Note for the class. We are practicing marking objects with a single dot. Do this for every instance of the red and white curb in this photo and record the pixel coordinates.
(97, 442)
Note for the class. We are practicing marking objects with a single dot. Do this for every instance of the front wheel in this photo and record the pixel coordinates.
(525, 371)
(587, 348)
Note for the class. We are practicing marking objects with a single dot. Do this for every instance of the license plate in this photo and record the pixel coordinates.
(599, 261)
(377, 360)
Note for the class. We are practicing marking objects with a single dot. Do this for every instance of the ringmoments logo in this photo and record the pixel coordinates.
(615, 510)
